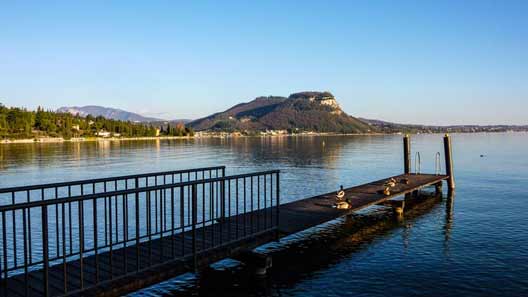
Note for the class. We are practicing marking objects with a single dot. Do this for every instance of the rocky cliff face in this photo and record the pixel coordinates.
(325, 98)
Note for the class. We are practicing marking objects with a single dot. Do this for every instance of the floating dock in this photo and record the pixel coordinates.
(111, 236)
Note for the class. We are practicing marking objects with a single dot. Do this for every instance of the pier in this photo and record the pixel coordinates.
(111, 236)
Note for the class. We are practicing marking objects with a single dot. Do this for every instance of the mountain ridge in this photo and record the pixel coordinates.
(107, 112)
(303, 111)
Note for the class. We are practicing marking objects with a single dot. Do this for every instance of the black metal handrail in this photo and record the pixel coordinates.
(95, 238)
(106, 179)
(102, 185)
(20, 205)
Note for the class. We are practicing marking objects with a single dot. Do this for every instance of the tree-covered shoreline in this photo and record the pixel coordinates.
(20, 123)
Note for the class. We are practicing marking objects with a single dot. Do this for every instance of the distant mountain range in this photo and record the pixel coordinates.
(304, 111)
(299, 112)
(113, 113)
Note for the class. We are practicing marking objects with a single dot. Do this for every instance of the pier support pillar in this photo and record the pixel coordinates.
(398, 206)
(438, 188)
(259, 263)
(449, 162)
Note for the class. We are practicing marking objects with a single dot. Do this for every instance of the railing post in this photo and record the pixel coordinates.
(449, 162)
(407, 154)
(45, 251)
(194, 222)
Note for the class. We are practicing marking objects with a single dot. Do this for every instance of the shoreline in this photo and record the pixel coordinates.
(208, 136)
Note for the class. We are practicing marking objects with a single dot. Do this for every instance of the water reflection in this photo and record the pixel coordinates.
(300, 257)
(448, 227)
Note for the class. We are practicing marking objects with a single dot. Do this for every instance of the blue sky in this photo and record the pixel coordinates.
(432, 62)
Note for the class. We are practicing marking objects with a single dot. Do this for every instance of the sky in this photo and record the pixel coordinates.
(428, 62)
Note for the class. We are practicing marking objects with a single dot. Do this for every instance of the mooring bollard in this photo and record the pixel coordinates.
(449, 162)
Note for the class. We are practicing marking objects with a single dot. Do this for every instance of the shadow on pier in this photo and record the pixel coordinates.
(324, 246)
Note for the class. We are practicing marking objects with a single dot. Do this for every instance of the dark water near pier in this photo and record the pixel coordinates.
(474, 246)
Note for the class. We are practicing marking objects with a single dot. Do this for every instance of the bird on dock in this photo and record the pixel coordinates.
(341, 203)
(390, 183)
(404, 181)
(386, 192)
(341, 193)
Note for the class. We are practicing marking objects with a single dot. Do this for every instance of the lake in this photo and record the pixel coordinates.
(473, 245)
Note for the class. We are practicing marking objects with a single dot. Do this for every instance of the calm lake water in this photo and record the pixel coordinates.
(475, 244)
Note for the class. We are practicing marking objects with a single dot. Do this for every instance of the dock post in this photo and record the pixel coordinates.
(407, 154)
(407, 157)
(449, 162)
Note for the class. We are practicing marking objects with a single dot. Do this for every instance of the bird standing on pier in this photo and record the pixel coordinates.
(341, 204)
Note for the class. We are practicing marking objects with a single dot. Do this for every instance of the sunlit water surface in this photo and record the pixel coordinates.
(473, 245)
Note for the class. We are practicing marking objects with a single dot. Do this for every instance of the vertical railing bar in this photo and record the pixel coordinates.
(182, 218)
(14, 230)
(164, 205)
(29, 230)
(70, 228)
(161, 226)
(96, 251)
(81, 238)
(277, 204)
(236, 209)
(245, 207)
(116, 217)
(258, 203)
(149, 227)
(64, 266)
(2, 281)
(251, 205)
(217, 201)
(26, 276)
(189, 200)
(229, 210)
(212, 212)
(45, 250)
(105, 215)
(125, 227)
(271, 199)
(138, 263)
(156, 206)
(203, 218)
(4, 246)
(221, 216)
(194, 215)
(57, 223)
(110, 235)
(172, 219)
(265, 203)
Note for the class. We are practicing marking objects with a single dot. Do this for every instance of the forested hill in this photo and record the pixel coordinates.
(304, 111)
(19, 123)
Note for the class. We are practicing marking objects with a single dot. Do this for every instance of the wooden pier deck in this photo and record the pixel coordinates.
(165, 257)
(306, 213)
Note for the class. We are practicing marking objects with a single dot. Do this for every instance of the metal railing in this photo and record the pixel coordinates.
(62, 246)
(14, 195)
